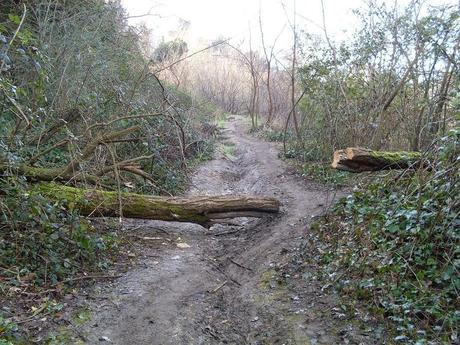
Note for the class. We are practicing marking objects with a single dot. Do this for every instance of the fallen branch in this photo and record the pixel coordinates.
(47, 174)
(49, 149)
(126, 163)
(218, 287)
(239, 265)
(89, 149)
(201, 209)
(88, 277)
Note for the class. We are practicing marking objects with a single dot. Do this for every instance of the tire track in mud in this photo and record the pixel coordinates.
(230, 286)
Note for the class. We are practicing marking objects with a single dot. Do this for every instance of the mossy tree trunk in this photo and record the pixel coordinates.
(200, 209)
(355, 159)
(72, 171)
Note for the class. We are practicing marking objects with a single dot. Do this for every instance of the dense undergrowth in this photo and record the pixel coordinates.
(393, 248)
(43, 246)
(46, 243)
(80, 99)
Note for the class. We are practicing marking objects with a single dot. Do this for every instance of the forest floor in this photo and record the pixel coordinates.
(245, 282)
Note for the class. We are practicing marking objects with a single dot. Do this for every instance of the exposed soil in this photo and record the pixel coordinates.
(235, 283)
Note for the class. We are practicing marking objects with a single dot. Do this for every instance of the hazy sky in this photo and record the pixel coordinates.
(206, 20)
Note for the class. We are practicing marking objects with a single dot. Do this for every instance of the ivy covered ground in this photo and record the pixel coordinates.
(393, 248)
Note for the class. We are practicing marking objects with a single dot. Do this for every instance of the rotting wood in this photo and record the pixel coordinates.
(355, 159)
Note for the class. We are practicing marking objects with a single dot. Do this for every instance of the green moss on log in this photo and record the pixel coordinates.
(395, 158)
(34, 173)
(105, 203)
(194, 209)
(356, 159)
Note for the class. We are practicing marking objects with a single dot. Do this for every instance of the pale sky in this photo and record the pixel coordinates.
(210, 19)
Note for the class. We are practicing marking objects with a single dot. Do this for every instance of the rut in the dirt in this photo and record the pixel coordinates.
(222, 287)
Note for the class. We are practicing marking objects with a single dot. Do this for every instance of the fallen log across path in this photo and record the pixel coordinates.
(196, 209)
(355, 159)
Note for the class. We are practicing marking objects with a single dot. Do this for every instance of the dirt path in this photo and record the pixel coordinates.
(231, 285)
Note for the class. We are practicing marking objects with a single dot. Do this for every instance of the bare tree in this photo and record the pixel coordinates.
(269, 55)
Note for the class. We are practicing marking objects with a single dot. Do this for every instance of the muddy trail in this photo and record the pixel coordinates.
(235, 283)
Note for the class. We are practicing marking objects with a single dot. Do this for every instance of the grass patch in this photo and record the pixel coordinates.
(63, 336)
(323, 173)
(266, 279)
(82, 316)
(272, 134)
(221, 119)
(228, 150)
